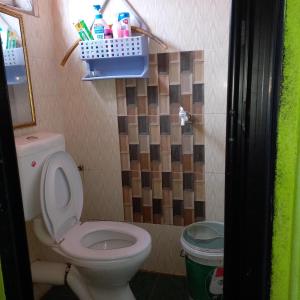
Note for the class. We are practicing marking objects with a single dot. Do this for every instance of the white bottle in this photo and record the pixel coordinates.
(99, 24)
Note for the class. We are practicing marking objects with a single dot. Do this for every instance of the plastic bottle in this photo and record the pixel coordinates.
(99, 24)
(124, 28)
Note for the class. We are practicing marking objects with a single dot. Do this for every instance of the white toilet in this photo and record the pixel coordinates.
(107, 254)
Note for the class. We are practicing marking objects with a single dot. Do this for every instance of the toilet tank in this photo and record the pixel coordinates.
(32, 151)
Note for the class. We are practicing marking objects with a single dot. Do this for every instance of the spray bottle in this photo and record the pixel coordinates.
(99, 24)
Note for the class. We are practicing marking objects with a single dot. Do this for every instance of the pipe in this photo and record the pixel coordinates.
(60, 274)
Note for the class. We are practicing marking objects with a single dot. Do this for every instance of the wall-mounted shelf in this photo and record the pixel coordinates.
(116, 58)
(14, 66)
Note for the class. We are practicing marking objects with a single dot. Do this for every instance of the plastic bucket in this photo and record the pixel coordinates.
(203, 245)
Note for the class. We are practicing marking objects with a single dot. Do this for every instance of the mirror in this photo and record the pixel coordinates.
(17, 68)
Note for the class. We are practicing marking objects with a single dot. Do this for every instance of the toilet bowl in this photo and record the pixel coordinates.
(107, 254)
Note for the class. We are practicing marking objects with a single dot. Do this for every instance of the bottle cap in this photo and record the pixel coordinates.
(123, 15)
(97, 7)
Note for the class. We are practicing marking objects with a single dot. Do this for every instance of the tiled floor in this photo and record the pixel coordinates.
(145, 286)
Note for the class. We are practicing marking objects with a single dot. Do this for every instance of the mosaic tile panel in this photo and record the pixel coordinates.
(163, 163)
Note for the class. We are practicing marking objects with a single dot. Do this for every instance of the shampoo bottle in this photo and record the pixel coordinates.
(99, 24)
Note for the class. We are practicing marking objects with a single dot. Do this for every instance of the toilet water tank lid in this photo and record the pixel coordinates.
(37, 142)
(61, 194)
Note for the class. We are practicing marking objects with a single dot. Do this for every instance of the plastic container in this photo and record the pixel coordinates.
(124, 28)
(203, 245)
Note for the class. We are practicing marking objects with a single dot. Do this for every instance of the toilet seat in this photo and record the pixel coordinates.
(61, 194)
(73, 242)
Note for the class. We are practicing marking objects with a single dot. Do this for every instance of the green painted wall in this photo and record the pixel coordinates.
(2, 294)
(286, 240)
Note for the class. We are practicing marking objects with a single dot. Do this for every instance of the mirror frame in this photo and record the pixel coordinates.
(29, 85)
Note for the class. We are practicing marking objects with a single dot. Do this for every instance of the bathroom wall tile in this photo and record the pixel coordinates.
(167, 180)
(198, 72)
(186, 83)
(135, 166)
(199, 153)
(123, 125)
(187, 129)
(198, 93)
(143, 125)
(176, 153)
(199, 171)
(198, 108)
(164, 105)
(120, 88)
(153, 75)
(156, 188)
(177, 176)
(166, 162)
(132, 119)
(152, 95)
(154, 120)
(153, 59)
(134, 150)
(174, 57)
(186, 103)
(199, 188)
(121, 106)
(188, 181)
(163, 81)
(147, 196)
(177, 166)
(145, 161)
(146, 179)
(153, 109)
(154, 134)
(133, 134)
(198, 55)
(165, 143)
(187, 144)
(178, 212)
(131, 96)
(199, 211)
(174, 73)
(125, 162)
(176, 134)
(123, 140)
(144, 143)
(188, 199)
(187, 163)
(155, 152)
(167, 215)
(164, 124)
(130, 82)
(131, 110)
(141, 85)
(175, 93)
(163, 62)
(126, 178)
(167, 197)
(177, 189)
(136, 187)
(174, 109)
(127, 195)
(189, 216)
(147, 214)
(199, 134)
(142, 105)
(128, 213)
(186, 61)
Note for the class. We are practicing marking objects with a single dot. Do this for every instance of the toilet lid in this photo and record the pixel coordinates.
(61, 194)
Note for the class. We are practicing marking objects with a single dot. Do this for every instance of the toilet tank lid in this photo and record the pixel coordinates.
(38, 142)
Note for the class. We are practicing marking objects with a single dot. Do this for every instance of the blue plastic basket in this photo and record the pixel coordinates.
(116, 58)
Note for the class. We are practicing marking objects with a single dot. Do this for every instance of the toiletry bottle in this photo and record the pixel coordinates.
(99, 24)
(83, 31)
(124, 29)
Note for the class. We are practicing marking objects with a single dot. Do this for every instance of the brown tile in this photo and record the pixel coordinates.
(186, 102)
(147, 197)
(157, 218)
(166, 161)
(189, 217)
(141, 87)
(199, 211)
(199, 171)
(167, 215)
(154, 120)
(134, 151)
(186, 83)
(198, 119)
(163, 83)
(120, 88)
(145, 161)
(143, 123)
(178, 220)
(174, 119)
(153, 109)
(188, 199)
(152, 94)
(144, 144)
(187, 144)
(153, 59)
(188, 181)
(199, 138)
(197, 108)
(123, 125)
(132, 119)
(165, 143)
(187, 163)
(177, 175)
(153, 75)
(174, 73)
(174, 57)
(142, 105)
(198, 55)
(127, 195)
(147, 214)
(177, 189)
(156, 189)
(133, 135)
(125, 162)
(198, 92)
(135, 165)
(199, 153)
(136, 174)
(137, 217)
(163, 62)
(128, 214)
(126, 178)
(199, 187)
(136, 187)
(155, 134)
(131, 109)
(175, 93)
(174, 109)
(155, 152)
(156, 166)
(165, 124)
(176, 134)
(164, 105)
(146, 180)
(198, 72)
(121, 106)
(186, 61)
(157, 175)
(176, 166)
(123, 140)
(130, 82)
(167, 198)
(131, 95)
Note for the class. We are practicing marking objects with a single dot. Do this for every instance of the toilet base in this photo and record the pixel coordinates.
(112, 293)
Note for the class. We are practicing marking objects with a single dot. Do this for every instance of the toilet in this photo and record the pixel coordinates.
(106, 253)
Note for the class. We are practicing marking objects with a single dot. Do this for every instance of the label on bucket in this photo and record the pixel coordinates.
(216, 283)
